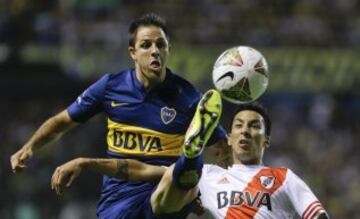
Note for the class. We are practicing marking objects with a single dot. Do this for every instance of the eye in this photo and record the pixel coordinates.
(238, 125)
(145, 44)
(256, 125)
(161, 44)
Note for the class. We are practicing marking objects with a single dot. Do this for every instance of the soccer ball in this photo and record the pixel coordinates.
(241, 74)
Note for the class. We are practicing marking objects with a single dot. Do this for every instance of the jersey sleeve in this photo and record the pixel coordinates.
(90, 102)
(302, 198)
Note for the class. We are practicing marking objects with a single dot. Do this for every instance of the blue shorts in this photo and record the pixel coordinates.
(145, 212)
(138, 206)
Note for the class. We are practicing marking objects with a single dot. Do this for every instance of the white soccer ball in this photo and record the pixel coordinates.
(241, 74)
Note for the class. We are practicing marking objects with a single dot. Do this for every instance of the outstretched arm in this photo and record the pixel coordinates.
(49, 131)
(130, 169)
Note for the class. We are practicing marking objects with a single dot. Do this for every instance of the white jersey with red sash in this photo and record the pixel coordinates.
(254, 191)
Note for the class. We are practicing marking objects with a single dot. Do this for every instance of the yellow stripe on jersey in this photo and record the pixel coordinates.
(133, 140)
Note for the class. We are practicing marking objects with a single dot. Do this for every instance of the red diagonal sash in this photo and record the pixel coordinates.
(248, 212)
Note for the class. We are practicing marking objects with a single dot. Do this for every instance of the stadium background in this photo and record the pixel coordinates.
(51, 50)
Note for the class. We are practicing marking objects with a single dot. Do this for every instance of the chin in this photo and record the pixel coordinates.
(157, 74)
(245, 156)
(250, 160)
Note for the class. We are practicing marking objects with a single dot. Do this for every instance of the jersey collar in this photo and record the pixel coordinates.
(245, 167)
(140, 86)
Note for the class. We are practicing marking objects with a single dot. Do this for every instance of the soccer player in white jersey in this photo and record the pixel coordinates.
(247, 189)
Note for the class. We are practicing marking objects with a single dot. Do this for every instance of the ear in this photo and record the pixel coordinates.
(131, 50)
(267, 142)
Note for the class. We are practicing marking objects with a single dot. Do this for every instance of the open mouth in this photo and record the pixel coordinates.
(244, 142)
(155, 65)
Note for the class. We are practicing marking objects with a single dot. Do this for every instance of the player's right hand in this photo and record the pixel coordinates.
(18, 159)
(65, 175)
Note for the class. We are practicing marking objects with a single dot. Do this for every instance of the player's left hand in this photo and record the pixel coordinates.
(65, 175)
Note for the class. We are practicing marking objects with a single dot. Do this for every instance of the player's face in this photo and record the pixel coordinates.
(150, 54)
(248, 138)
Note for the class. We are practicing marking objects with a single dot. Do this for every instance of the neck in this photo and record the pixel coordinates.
(149, 82)
(255, 161)
(145, 81)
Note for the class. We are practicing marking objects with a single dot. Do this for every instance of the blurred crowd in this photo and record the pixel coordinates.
(315, 134)
(259, 22)
(76, 33)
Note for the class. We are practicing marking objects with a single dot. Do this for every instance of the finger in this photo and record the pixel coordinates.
(60, 182)
(58, 190)
(53, 179)
(18, 161)
(19, 168)
(14, 161)
(72, 178)
(61, 178)
(52, 182)
(23, 157)
(56, 181)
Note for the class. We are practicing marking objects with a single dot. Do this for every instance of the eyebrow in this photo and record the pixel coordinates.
(146, 38)
(251, 121)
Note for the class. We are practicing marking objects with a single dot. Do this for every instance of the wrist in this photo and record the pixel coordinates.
(82, 162)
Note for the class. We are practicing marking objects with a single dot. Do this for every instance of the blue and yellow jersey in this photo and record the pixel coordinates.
(147, 125)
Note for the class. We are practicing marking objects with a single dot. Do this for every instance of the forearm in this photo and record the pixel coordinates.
(132, 170)
(51, 130)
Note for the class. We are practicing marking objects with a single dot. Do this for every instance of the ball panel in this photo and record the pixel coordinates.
(239, 93)
(230, 57)
(258, 84)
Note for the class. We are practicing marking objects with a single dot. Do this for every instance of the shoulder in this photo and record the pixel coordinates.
(276, 171)
(184, 85)
(286, 175)
(118, 80)
(180, 92)
(121, 76)
(211, 168)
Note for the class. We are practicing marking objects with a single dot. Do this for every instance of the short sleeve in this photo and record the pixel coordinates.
(302, 198)
(90, 102)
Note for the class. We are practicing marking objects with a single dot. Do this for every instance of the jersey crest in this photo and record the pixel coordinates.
(167, 114)
(267, 181)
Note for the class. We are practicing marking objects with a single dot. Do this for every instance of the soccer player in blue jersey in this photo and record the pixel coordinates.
(247, 189)
(149, 110)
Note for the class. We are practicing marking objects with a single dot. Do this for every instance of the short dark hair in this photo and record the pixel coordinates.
(150, 19)
(259, 108)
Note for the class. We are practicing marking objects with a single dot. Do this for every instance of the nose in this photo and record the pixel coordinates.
(245, 131)
(155, 50)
